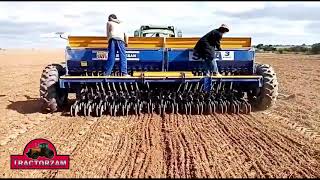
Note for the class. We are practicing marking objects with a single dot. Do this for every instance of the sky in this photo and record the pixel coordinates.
(33, 24)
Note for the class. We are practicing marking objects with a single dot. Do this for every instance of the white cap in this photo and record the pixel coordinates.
(224, 26)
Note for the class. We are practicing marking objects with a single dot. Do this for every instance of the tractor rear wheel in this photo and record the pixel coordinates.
(267, 95)
(49, 154)
(52, 97)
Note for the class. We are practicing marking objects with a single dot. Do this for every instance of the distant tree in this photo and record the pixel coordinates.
(268, 48)
(315, 48)
(259, 46)
(298, 49)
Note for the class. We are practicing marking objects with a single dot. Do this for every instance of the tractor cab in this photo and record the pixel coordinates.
(157, 31)
(43, 146)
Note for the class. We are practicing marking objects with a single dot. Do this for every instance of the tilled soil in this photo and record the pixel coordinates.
(281, 142)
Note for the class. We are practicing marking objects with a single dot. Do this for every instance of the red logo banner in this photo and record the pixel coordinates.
(39, 154)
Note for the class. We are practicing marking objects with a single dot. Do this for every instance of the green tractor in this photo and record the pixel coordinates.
(42, 150)
(157, 31)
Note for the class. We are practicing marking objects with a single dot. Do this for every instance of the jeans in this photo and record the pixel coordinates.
(207, 54)
(114, 47)
(211, 65)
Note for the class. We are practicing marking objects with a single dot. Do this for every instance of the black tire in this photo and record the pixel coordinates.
(35, 155)
(29, 153)
(267, 95)
(52, 97)
(49, 154)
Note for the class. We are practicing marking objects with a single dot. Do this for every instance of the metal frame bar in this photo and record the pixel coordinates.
(161, 77)
(94, 79)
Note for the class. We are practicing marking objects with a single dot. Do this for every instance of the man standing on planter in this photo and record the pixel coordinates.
(117, 41)
(205, 48)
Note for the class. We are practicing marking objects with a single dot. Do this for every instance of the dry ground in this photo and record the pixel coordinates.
(280, 142)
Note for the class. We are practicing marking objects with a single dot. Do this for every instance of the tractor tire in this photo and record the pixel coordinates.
(267, 95)
(49, 154)
(29, 153)
(52, 97)
(35, 155)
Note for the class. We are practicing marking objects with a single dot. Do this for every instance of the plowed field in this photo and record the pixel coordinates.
(281, 142)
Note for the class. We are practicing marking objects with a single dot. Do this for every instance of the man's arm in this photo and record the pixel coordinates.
(218, 45)
(109, 28)
(126, 39)
(217, 42)
(217, 38)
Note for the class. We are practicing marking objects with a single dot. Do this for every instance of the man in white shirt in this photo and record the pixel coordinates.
(117, 41)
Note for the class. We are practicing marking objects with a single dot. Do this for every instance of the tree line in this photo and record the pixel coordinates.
(313, 49)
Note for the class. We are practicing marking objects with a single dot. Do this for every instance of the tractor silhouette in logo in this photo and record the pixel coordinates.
(42, 150)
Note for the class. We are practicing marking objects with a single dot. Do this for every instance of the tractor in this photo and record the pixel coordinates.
(42, 150)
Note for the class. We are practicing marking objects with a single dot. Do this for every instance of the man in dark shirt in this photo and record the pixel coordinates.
(206, 45)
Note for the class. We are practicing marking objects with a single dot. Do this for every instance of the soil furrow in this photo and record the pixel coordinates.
(133, 149)
(181, 159)
(192, 144)
(118, 153)
(125, 156)
(204, 147)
